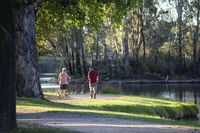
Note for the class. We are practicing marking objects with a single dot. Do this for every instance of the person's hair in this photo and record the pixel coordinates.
(63, 69)
(90, 67)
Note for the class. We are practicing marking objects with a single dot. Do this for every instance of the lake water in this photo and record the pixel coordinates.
(186, 92)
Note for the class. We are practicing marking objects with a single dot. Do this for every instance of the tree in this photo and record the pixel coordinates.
(79, 14)
(126, 46)
(7, 67)
(195, 40)
(180, 35)
(27, 76)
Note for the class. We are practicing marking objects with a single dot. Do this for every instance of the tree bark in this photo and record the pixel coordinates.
(97, 47)
(180, 36)
(195, 39)
(80, 53)
(7, 68)
(142, 33)
(126, 48)
(27, 76)
(83, 52)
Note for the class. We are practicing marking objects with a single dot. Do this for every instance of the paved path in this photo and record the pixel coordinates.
(99, 124)
(95, 123)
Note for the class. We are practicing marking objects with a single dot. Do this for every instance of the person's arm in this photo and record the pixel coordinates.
(97, 77)
(88, 75)
(68, 78)
(59, 79)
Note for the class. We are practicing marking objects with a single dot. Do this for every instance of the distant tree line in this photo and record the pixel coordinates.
(155, 40)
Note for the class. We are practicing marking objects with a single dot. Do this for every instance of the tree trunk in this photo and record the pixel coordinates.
(63, 50)
(78, 63)
(180, 36)
(142, 33)
(97, 47)
(126, 49)
(117, 45)
(80, 49)
(27, 77)
(73, 63)
(7, 68)
(68, 55)
(195, 39)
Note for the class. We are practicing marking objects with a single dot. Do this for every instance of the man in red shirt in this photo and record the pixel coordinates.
(93, 80)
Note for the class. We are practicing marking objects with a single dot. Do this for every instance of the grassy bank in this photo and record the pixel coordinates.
(127, 107)
(41, 130)
(36, 128)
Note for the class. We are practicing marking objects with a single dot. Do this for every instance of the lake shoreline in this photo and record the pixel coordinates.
(140, 81)
(143, 81)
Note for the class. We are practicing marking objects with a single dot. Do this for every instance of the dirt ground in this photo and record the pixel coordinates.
(95, 123)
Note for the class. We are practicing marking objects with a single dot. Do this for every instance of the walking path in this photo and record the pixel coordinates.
(96, 123)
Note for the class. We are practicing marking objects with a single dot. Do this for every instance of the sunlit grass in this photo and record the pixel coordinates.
(127, 107)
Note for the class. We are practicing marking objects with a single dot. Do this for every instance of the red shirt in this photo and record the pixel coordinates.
(92, 76)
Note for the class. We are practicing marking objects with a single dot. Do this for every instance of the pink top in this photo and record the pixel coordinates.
(63, 78)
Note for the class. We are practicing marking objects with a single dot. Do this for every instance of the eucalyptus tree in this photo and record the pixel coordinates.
(27, 76)
(80, 14)
(179, 7)
(196, 63)
(7, 67)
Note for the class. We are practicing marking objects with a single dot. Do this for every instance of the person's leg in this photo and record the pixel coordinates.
(91, 90)
(60, 92)
(95, 90)
(65, 90)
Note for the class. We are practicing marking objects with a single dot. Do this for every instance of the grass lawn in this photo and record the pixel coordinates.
(157, 110)
(36, 128)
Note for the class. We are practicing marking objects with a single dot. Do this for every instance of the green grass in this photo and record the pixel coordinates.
(127, 107)
(36, 128)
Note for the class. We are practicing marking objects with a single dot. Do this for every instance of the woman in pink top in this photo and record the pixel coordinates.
(63, 80)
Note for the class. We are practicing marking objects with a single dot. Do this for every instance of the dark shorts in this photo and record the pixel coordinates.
(62, 87)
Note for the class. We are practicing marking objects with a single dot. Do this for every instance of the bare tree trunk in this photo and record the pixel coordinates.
(142, 33)
(77, 48)
(126, 49)
(69, 57)
(80, 44)
(27, 83)
(180, 36)
(78, 63)
(97, 47)
(73, 63)
(137, 38)
(117, 47)
(195, 39)
(63, 49)
(72, 42)
(7, 68)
